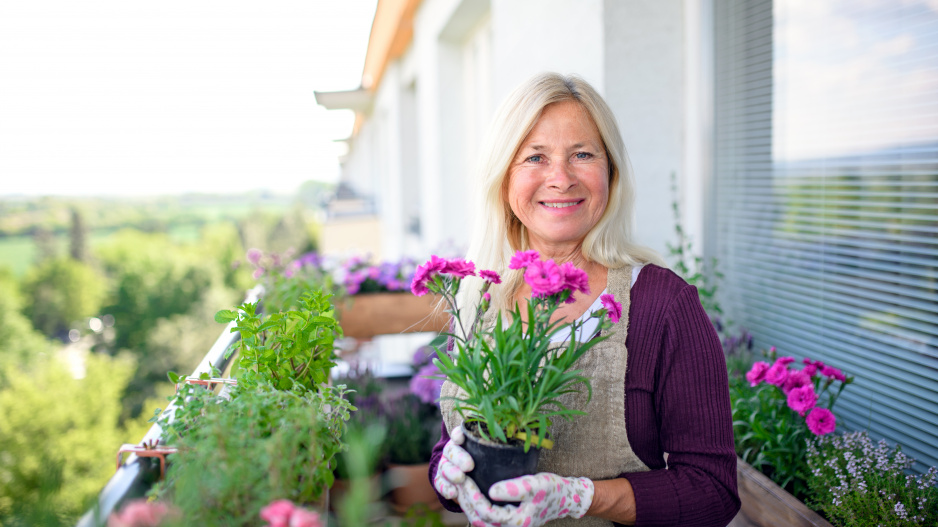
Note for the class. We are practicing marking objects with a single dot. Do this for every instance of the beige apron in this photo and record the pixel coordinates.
(594, 445)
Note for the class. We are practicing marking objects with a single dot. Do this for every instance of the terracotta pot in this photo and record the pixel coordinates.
(367, 315)
(409, 486)
(496, 462)
(765, 504)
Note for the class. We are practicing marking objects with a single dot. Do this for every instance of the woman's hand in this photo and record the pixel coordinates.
(543, 497)
(452, 483)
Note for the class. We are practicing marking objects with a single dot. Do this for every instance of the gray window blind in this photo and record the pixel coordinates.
(826, 201)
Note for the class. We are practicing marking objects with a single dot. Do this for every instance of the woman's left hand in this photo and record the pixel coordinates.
(543, 497)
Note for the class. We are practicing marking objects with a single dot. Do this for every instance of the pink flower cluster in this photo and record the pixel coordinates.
(455, 267)
(283, 513)
(141, 513)
(547, 278)
(799, 388)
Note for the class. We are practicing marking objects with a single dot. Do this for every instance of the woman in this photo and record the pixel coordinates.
(656, 445)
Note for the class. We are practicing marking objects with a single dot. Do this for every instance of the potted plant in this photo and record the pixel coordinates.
(776, 410)
(510, 375)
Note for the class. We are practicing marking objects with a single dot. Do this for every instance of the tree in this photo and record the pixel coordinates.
(18, 340)
(78, 237)
(59, 437)
(60, 292)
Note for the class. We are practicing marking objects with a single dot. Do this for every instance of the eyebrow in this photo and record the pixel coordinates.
(572, 147)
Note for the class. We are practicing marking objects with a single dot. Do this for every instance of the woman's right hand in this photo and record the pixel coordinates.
(452, 482)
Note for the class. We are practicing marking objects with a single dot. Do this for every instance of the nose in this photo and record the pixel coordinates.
(560, 176)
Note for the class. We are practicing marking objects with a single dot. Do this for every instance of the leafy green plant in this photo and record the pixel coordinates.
(858, 484)
(512, 375)
(777, 409)
(236, 456)
(286, 348)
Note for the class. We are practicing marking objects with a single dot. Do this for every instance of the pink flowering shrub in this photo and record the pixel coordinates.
(141, 513)
(520, 401)
(283, 513)
(777, 407)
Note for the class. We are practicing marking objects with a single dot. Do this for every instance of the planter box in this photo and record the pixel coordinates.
(765, 504)
(367, 315)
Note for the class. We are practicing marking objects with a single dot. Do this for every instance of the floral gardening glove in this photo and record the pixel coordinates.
(452, 483)
(543, 497)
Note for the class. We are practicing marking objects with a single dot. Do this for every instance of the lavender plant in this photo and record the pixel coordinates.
(857, 483)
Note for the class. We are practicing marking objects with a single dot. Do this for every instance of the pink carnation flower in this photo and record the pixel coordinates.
(796, 379)
(777, 374)
(424, 274)
(487, 297)
(259, 272)
(575, 279)
(810, 370)
(254, 255)
(490, 276)
(785, 360)
(522, 259)
(545, 278)
(833, 373)
(304, 518)
(821, 421)
(277, 514)
(802, 399)
(613, 308)
(140, 513)
(459, 268)
(757, 373)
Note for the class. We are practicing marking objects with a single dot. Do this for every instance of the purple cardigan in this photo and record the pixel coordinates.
(676, 401)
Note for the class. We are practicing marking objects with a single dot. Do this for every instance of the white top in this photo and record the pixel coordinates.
(589, 325)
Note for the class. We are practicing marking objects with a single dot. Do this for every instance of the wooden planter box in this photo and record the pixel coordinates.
(367, 315)
(765, 504)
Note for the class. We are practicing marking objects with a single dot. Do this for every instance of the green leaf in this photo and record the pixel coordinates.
(174, 377)
(225, 316)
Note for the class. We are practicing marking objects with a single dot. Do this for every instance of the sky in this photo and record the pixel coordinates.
(117, 97)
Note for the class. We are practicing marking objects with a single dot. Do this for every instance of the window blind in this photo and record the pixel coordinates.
(826, 197)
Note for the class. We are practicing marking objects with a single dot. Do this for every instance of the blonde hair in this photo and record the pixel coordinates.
(498, 234)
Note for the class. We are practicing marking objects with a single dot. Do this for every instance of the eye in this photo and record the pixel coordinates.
(536, 158)
(582, 156)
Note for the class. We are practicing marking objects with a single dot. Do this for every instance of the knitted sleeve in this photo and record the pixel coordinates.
(684, 371)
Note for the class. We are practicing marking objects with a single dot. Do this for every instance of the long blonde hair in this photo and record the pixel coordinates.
(498, 234)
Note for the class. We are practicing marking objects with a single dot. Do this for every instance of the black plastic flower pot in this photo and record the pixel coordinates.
(496, 462)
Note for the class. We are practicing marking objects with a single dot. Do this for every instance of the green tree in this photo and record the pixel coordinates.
(18, 340)
(78, 237)
(59, 437)
(61, 291)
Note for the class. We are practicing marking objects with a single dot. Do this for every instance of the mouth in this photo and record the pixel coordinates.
(561, 204)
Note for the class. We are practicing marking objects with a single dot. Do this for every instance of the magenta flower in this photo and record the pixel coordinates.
(304, 518)
(259, 272)
(575, 279)
(757, 373)
(522, 259)
(545, 278)
(802, 399)
(487, 297)
(810, 370)
(777, 374)
(833, 373)
(796, 379)
(821, 421)
(277, 514)
(613, 308)
(785, 360)
(425, 273)
(459, 268)
(490, 276)
(254, 255)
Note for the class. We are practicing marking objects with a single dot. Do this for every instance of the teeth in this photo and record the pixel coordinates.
(561, 205)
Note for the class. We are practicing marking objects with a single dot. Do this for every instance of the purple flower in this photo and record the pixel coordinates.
(425, 274)
(821, 421)
(613, 308)
(785, 360)
(259, 272)
(802, 399)
(757, 373)
(423, 356)
(487, 297)
(522, 259)
(777, 374)
(833, 373)
(254, 255)
(545, 278)
(490, 276)
(425, 388)
(575, 279)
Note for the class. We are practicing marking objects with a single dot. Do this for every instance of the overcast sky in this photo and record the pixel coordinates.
(116, 97)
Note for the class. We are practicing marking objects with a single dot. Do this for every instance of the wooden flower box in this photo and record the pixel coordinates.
(765, 504)
(367, 315)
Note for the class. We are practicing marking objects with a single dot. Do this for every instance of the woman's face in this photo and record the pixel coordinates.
(558, 182)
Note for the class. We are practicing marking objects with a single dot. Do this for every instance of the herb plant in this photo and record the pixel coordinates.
(286, 348)
(512, 374)
(857, 483)
(776, 409)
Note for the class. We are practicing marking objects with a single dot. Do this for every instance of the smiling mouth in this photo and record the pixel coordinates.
(562, 205)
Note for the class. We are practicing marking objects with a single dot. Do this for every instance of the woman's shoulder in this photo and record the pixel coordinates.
(661, 280)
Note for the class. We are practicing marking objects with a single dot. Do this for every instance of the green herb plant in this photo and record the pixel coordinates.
(857, 483)
(286, 348)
